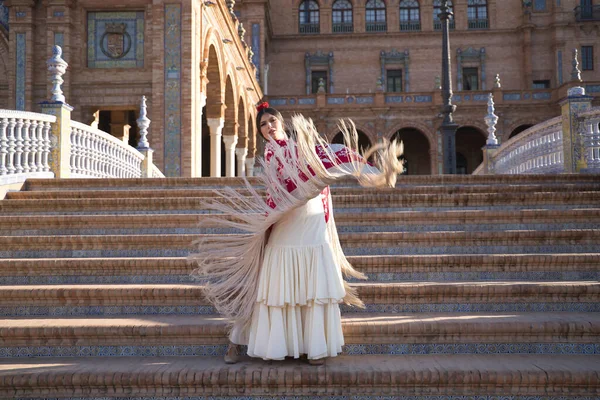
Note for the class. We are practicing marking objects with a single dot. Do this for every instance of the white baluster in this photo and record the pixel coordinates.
(34, 146)
(12, 145)
(26, 145)
(47, 146)
(74, 150)
(3, 146)
(19, 145)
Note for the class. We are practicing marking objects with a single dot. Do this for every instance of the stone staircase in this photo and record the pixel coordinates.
(481, 287)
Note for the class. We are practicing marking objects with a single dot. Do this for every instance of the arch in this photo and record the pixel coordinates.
(516, 124)
(364, 143)
(214, 87)
(469, 142)
(213, 38)
(359, 127)
(375, 16)
(518, 130)
(417, 151)
(424, 129)
(243, 123)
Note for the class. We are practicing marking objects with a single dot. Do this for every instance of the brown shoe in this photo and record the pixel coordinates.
(232, 355)
(317, 361)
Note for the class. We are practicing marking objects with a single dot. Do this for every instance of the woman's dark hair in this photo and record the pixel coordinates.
(267, 110)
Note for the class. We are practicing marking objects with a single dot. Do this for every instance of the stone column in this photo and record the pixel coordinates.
(241, 153)
(230, 141)
(250, 166)
(216, 127)
(197, 135)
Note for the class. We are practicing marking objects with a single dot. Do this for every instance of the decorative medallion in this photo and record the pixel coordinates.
(115, 42)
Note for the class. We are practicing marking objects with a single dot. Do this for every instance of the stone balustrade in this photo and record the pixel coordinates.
(95, 153)
(569, 143)
(538, 150)
(590, 133)
(25, 145)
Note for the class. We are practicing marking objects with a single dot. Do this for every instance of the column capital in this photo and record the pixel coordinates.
(241, 151)
(215, 125)
(230, 141)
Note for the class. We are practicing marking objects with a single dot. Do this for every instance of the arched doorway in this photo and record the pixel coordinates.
(363, 141)
(469, 142)
(519, 129)
(417, 160)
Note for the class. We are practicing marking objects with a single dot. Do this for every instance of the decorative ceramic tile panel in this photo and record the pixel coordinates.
(21, 69)
(172, 67)
(115, 39)
(3, 15)
(256, 48)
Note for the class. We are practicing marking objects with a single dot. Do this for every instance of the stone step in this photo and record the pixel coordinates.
(368, 202)
(210, 192)
(378, 243)
(469, 267)
(408, 334)
(393, 221)
(403, 180)
(79, 300)
(406, 377)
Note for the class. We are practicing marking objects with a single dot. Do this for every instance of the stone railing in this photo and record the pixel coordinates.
(590, 134)
(538, 150)
(25, 145)
(156, 173)
(569, 143)
(95, 153)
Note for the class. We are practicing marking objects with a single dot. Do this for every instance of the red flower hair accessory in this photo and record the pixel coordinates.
(262, 106)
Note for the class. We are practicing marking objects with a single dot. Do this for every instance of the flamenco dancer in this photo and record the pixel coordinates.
(281, 283)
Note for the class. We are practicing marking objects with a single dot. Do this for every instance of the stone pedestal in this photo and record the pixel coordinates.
(60, 152)
(573, 147)
(215, 126)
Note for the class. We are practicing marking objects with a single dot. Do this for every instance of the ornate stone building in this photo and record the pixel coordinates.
(187, 57)
(379, 62)
(376, 61)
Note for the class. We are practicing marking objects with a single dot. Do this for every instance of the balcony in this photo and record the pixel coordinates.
(437, 25)
(590, 13)
(342, 28)
(376, 27)
(479, 23)
(309, 28)
(410, 26)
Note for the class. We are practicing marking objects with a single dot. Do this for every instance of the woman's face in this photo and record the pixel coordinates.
(270, 127)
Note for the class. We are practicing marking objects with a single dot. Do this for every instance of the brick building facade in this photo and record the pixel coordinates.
(204, 64)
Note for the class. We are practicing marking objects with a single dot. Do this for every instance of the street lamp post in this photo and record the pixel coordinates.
(448, 126)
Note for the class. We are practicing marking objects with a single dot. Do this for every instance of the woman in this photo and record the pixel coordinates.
(294, 309)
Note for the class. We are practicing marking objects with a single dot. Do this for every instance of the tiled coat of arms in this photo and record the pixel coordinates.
(115, 39)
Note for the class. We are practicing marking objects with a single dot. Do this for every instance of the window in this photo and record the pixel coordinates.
(539, 5)
(471, 78)
(587, 58)
(394, 80)
(437, 23)
(544, 84)
(477, 14)
(316, 77)
(308, 14)
(409, 15)
(342, 16)
(375, 16)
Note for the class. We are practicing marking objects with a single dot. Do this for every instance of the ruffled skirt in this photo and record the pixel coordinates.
(297, 308)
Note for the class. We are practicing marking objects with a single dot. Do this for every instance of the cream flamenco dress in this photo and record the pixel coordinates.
(300, 286)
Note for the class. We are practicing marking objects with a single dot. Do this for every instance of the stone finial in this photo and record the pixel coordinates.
(437, 83)
(231, 6)
(321, 86)
(57, 68)
(491, 119)
(143, 123)
(241, 31)
(575, 73)
(497, 84)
